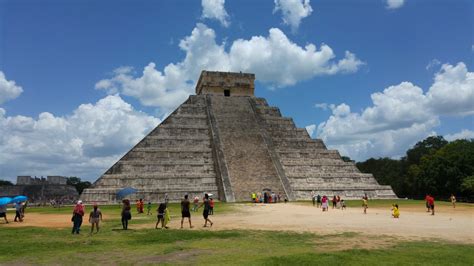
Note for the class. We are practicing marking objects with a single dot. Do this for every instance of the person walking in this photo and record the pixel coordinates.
(148, 208)
(185, 204)
(431, 204)
(3, 212)
(196, 203)
(126, 214)
(395, 211)
(18, 214)
(211, 206)
(205, 212)
(453, 200)
(77, 215)
(313, 198)
(365, 204)
(334, 202)
(318, 201)
(324, 204)
(94, 218)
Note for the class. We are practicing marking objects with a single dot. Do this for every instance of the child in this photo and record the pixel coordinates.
(211, 206)
(365, 204)
(94, 217)
(395, 211)
(343, 204)
(148, 208)
(161, 216)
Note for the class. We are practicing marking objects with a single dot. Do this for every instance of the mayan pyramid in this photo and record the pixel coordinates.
(227, 142)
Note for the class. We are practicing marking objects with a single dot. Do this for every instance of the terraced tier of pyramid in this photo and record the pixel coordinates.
(227, 142)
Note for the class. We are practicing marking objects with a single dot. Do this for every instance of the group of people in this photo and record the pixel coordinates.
(267, 197)
(95, 216)
(20, 208)
(323, 202)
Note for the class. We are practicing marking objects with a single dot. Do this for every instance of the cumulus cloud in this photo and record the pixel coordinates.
(399, 116)
(394, 4)
(463, 134)
(310, 129)
(275, 60)
(8, 89)
(214, 9)
(293, 11)
(432, 64)
(83, 143)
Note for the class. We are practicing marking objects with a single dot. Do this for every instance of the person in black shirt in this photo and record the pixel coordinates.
(207, 207)
(185, 211)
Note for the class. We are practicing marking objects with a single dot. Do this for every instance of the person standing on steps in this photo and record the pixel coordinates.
(185, 213)
(205, 212)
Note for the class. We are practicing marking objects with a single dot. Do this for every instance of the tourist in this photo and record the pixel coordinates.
(343, 204)
(365, 204)
(196, 203)
(141, 204)
(3, 212)
(148, 208)
(279, 197)
(77, 215)
(18, 214)
(211, 206)
(265, 197)
(431, 204)
(167, 199)
(313, 198)
(185, 211)
(137, 203)
(94, 218)
(453, 200)
(395, 211)
(427, 203)
(324, 204)
(318, 201)
(126, 214)
(338, 202)
(274, 197)
(161, 216)
(254, 197)
(205, 212)
(334, 202)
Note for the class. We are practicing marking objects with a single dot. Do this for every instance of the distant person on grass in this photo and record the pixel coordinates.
(313, 198)
(148, 208)
(431, 204)
(334, 202)
(94, 218)
(185, 204)
(211, 206)
(161, 216)
(343, 204)
(196, 203)
(18, 214)
(205, 212)
(395, 211)
(365, 204)
(126, 214)
(324, 204)
(318, 201)
(453, 200)
(77, 215)
(427, 203)
(3, 212)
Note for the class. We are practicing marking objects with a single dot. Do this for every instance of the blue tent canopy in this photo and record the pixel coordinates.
(5, 200)
(19, 199)
(125, 192)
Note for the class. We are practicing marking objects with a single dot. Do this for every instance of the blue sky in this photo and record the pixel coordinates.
(73, 72)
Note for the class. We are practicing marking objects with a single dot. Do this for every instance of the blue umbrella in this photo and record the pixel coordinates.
(19, 199)
(5, 200)
(126, 191)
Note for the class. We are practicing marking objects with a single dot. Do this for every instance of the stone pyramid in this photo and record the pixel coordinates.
(227, 142)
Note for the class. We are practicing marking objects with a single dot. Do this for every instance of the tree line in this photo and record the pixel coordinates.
(432, 166)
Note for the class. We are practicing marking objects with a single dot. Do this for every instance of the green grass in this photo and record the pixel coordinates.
(148, 246)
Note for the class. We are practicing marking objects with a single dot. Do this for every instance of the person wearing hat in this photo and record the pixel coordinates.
(77, 214)
(94, 217)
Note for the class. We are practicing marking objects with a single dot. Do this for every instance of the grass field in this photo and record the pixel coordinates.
(32, 245)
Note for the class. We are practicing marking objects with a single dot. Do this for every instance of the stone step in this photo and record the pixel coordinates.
(290, 133)
(158, 175)
(314, 162)
(164, 168)
(298, 143)
(196, 143)
(309, 169)
(185, 132)
(179, 137)
(171, 155)
(329, 175)
(171, 184)
(191, 110)
(166, 161)
(268, 111)
(260, 102)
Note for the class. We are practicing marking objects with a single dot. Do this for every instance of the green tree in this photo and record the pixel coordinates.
(78, 183)
(5, 183)
(425, 147)
(467, 185)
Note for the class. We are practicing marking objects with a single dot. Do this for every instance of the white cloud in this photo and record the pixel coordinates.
(310, 129)
(214, 9)
(463, 134)
(399, 116)
(274, 59)
(83, 143)
(293, 11)
(8, 89)
(394, 4)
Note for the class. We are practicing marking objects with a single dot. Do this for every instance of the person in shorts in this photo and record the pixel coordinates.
(205, 212)
(161, 216)
(431, 204)
(3, 212)
(18, 214)
(185, 204)
(94, 218)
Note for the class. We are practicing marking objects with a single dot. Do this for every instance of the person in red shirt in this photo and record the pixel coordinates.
(77, 214)
(431, 204)
(211, 206)
(427, 204)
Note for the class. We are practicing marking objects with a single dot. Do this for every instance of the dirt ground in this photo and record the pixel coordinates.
(456, 225)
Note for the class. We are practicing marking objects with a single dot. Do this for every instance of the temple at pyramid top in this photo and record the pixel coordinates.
(226, 83)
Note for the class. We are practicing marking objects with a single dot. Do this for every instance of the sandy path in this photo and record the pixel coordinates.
(450, 224)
